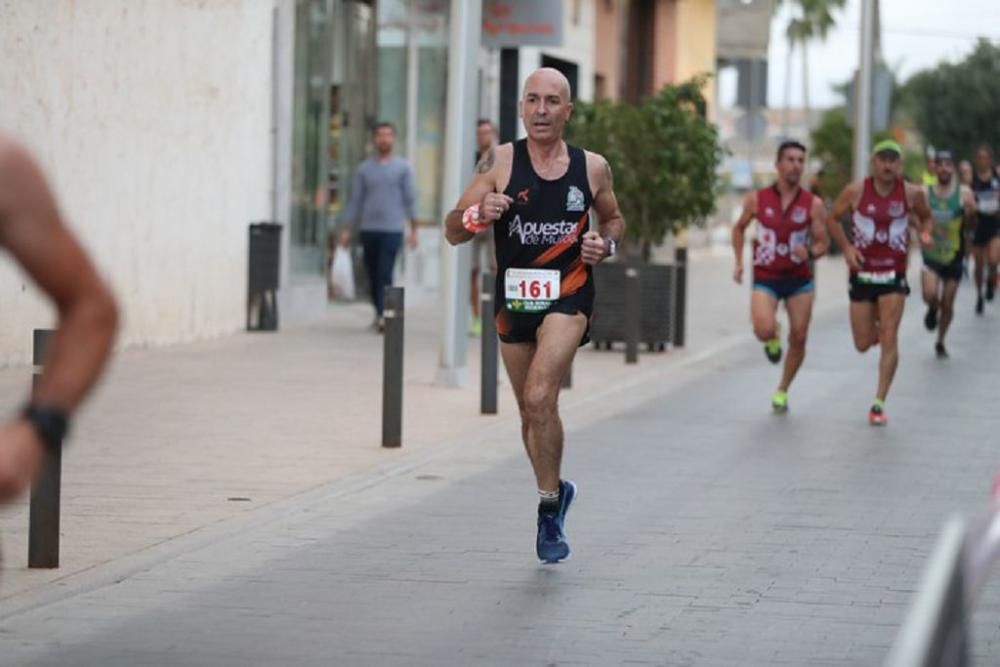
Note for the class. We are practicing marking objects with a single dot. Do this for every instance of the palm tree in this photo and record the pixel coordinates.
(814, 21)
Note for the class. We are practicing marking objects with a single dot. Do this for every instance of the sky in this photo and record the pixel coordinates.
(916, 34)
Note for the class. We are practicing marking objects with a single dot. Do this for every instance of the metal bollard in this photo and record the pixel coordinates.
(490, 349)
(680, 295)
(633, 314)
(43, 512)
(392, 369)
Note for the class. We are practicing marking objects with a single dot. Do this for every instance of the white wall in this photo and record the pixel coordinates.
(152, 119)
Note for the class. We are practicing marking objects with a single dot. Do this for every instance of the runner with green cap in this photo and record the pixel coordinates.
(876, 254)
(951, 203)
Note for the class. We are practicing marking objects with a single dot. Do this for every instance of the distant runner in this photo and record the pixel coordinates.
(791, 232)
(877, 256)
(951, 203)
(986, 239)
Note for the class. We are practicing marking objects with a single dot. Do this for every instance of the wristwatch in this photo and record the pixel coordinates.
(610, 247)
(50, 424)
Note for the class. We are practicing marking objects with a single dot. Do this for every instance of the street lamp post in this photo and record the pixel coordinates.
(863, 96)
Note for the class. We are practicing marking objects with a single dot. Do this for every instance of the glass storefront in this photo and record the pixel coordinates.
(352, 99)
(412, 86)
(334, 101)
(357, 62)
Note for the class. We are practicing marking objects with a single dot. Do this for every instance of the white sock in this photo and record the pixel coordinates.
(548, 497)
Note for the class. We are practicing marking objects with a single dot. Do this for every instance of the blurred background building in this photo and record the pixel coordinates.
(168, 127)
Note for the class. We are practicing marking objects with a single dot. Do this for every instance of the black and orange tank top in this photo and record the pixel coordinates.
(542, 231)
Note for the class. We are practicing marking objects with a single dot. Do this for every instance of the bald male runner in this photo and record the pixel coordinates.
(535, 196)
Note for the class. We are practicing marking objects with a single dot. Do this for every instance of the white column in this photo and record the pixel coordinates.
(863, 94)
(412, 81)
(282, 121)
(463, 49)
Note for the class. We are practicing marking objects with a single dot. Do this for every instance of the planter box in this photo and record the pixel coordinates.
(657, 285)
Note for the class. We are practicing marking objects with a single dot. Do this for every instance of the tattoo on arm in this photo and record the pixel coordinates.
(486, 162)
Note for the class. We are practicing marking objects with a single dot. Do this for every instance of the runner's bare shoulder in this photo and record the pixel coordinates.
(854, 191)
(916, 193)
(598, 171)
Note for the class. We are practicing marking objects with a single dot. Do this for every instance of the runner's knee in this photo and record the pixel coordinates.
(539, 403)
(797, 337)
(888, 338)
(764, 331)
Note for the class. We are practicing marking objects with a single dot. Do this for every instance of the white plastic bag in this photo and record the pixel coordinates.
(342, 274)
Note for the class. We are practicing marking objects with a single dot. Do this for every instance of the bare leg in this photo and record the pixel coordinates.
(992, 259)
(947, 307)
(864, 316)
(763, 314)
(517, 360)
(558, 338)
(799, 313)
(890, 309)
(474, 293)
(930, 283)
(980, 271)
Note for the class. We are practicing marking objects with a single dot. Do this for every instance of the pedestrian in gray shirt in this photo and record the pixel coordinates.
(382, 200)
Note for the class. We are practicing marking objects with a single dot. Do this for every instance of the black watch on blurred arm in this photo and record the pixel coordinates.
(51, 424)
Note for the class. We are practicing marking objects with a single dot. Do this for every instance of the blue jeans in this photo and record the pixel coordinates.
(380, 250)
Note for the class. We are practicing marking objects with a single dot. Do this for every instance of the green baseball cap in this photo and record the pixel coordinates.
(888, 146)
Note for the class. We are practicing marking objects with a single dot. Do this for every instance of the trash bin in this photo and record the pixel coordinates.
(264, 268)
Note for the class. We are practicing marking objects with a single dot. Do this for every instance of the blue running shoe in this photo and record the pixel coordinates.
(567, 494)
(551, 545)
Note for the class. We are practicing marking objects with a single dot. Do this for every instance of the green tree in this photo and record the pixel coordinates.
(957, 105)
(813, 21)
(833, 146)
(663, 153)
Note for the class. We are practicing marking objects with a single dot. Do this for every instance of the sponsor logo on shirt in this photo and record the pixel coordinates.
(540, 233)
(799, 215)
(574, 199)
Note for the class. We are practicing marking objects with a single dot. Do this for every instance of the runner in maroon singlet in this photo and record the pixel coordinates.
(791, 232)
(877, 256)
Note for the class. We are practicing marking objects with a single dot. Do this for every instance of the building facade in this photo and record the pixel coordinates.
(642, 45)
(167, 127)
